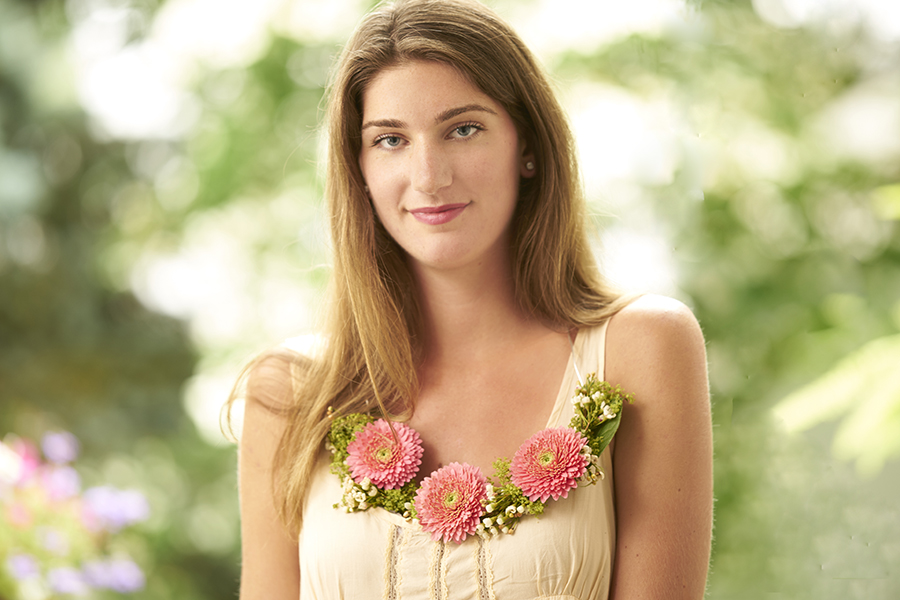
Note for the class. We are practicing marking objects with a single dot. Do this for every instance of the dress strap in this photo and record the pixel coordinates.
(575, 360)
(589, 350)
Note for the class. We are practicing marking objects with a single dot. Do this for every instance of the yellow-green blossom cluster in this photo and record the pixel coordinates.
(506, 503)
(598, 409)
(363, 495)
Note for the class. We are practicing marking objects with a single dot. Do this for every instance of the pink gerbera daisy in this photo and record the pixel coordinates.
(388, 463)
(549, 463)
(449, 502)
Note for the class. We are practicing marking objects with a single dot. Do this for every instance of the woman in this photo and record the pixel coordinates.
(466, 304)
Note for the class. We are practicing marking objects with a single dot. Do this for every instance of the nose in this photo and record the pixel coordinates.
(431, 170)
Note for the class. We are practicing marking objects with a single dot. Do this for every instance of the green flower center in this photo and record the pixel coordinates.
(383, 454)
(546, 458)
(451, 498)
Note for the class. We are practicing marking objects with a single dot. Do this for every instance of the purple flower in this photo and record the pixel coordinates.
(66, 580)
(112, 509)
(61, 483)
(22, 566)
(134, 506)
(60, 447)
(54, 540)
(120, 575)
(97, 574)
(126, 576)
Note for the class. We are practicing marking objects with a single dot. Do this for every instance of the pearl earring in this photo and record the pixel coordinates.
(529, 166)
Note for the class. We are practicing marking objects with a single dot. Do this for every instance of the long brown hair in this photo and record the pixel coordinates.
(373, 333)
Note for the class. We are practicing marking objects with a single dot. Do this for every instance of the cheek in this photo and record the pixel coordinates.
(381, 211)
(377, 171)
(385, 207)
(374, 179)
(383, 200)
(498, 171)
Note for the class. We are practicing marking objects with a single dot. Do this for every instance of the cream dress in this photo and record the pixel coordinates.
(566, 553)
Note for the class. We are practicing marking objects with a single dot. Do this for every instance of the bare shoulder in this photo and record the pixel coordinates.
(663, 454)
(267, 390)
(270, 380)
(269, 567)
(652, 333)
(653, 318)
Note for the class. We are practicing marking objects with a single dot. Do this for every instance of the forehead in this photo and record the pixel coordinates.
(420, 88)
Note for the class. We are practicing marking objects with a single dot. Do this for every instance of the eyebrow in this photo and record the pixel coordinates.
(442, 117)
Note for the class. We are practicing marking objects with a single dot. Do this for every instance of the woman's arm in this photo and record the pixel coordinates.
(270, 563)
(662, 461)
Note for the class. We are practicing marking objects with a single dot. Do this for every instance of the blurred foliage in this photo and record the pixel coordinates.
(783, 229)
(863, 387)
(789, 267)
(79, 353)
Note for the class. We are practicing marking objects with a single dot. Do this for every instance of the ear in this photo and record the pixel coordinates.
(527, 165)
(528, 168)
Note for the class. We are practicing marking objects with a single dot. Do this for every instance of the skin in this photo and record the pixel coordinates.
(484, 358)
(412, 157)
(431, 139)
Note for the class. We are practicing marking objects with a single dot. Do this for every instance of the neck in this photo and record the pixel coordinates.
(469, 313)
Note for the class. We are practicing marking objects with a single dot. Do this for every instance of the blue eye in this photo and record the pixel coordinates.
(390, 141)
(466, 131)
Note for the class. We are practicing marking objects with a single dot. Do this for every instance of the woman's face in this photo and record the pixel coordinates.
(442, 162)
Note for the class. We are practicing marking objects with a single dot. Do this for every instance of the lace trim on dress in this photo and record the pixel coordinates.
(392, 573)
(485, 574)
(439, 572)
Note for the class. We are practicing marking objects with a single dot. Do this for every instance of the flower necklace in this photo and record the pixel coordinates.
(457, 500)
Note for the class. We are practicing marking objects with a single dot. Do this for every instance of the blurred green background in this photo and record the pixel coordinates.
(161, 221)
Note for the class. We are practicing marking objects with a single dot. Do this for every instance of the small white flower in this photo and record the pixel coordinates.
(499, 520)
(494, 531)
(510, 510)
(487, 522)
(363, 506)
(407, 505)
(373, 491)
(489, 508)
(480, 528)
(366, 483)
(505, 530)
(520, 510)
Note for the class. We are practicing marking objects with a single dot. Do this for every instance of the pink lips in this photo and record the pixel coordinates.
(438, 215)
